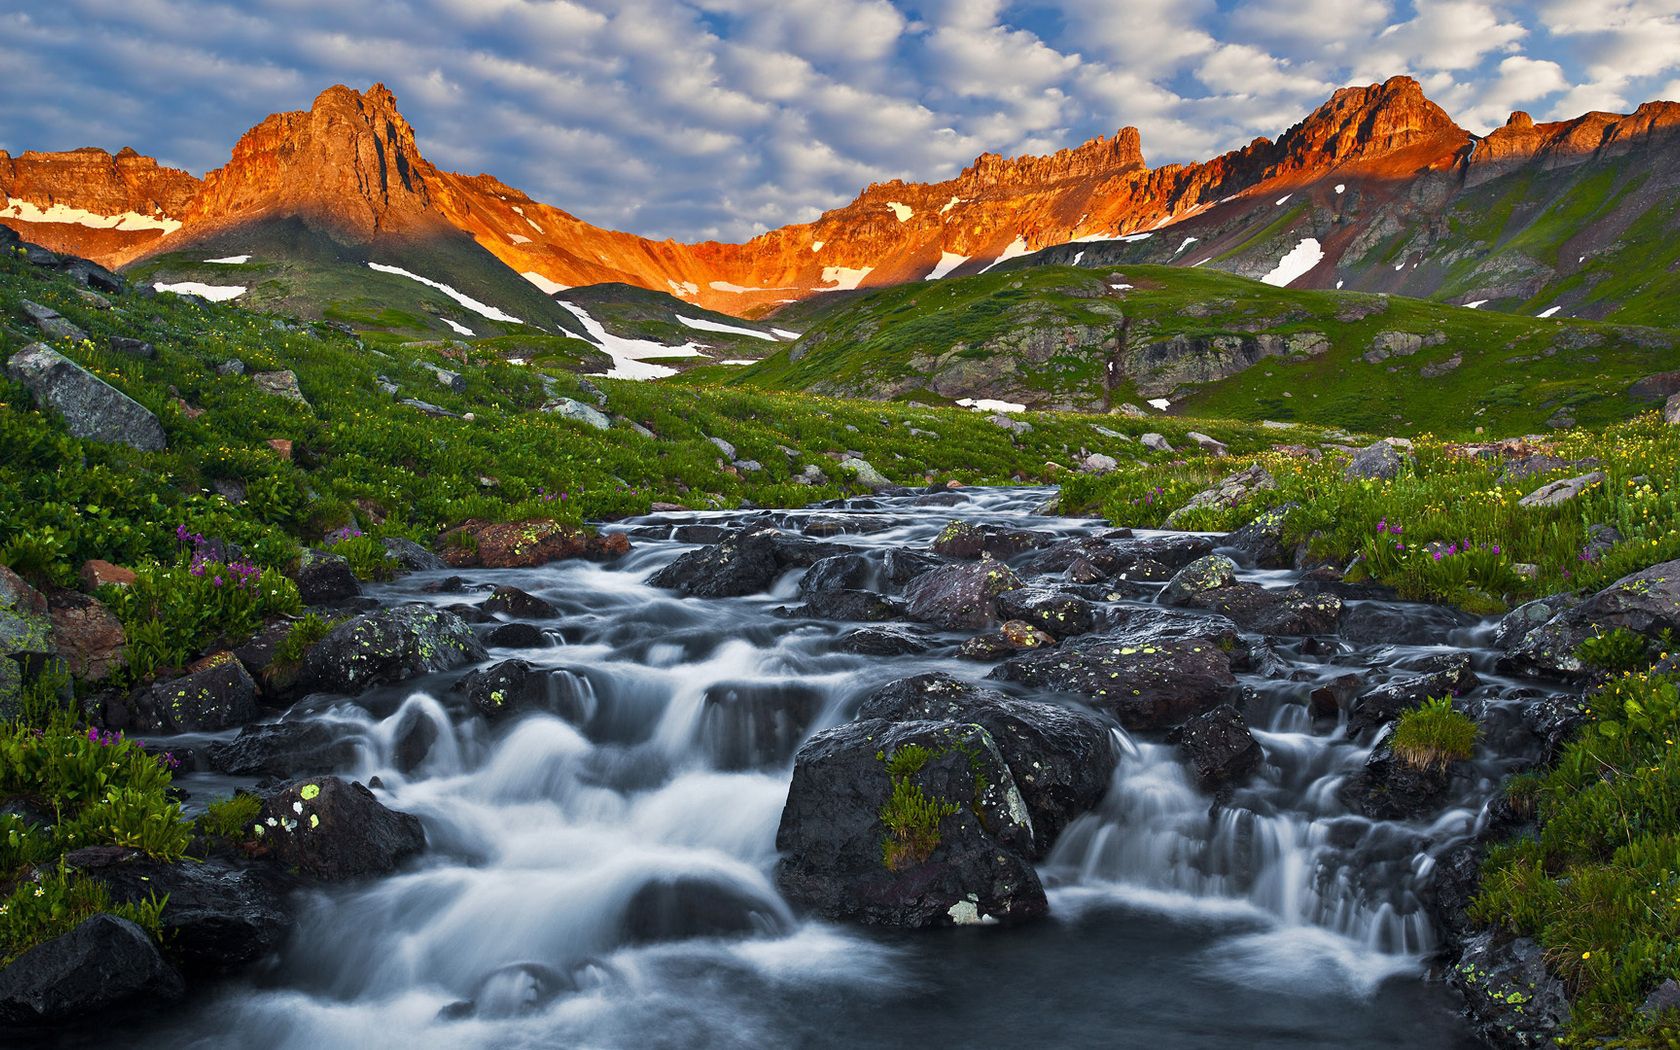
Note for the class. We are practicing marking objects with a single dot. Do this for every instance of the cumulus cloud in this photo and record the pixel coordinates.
(720, 118)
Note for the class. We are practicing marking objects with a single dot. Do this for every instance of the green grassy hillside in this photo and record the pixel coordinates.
(1219, 345)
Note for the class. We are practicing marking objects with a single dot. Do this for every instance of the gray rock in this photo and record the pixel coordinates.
(389, 645)
(428, 408)
(566, 408)
(748, 466)
(1009, 423)
(1512, 999)
(51, 323)
(90, 407)
(1646, 602)
(452, 380)
(1561, 491)
(1212, 446)
(411, 556)
(1235, 489)
(1378, 462)
(865, 474)
(283, 383)
(1155, 443)
(105, 963)
(1671, 411)
(723, 446)
(1204, 574)
(129, 347)
(1097, 463)
(961, 595)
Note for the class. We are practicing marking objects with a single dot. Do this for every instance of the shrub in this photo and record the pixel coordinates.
(231, 818)
(305, 631)
(1617, 649)
(56, 901)
(367, 556)
(1433, 735)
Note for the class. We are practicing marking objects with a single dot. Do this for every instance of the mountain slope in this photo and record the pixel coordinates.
(1215, 344)
(1396, 196)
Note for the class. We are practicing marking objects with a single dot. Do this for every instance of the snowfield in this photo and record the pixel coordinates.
(843, 278)
(703, 325)
(216, 293)
(1301, 258)
(549, 287)
(986, 404)
(482, 309)
(630, 355)
(948, 261)
(24, 211)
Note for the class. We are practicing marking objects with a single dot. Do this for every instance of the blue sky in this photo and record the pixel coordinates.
(721, 118)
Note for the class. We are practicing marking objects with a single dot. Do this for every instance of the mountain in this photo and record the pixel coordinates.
(1376, 190)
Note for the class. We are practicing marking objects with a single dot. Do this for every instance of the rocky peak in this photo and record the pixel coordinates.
(348, 166)
(1519, 121)
(93, 180)
(1101, 156)
(1360, 123)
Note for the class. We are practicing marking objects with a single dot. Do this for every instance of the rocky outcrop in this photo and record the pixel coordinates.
(90, 407)
(1512, 998)
(1646, 602)
(331, 829)
(104, 965)
(389, 645)
(959, 595)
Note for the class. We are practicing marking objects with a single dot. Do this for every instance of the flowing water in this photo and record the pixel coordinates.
(1277, 921)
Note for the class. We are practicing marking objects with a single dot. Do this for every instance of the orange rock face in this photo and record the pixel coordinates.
(349, 167)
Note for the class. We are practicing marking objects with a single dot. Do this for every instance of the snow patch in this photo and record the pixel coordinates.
(1548, 311)
(1120, 287)
(549, 287)
(1078, 256)
(1301, 258)
(1158, 402)
(843, 278)
(783, 333)
(817, 246)
(1401, 265)
(231, 260)
(1338, 284)
(460, 329)
(1285, 197)
(533, 225)
(1341, 187)
(1130, 237)
(630, 355)
(517, 210)
(903, 211)
(518, 238)
(216, 293)
(952, 203)
(1188, 241)
(1475, 305)
(740, 289)
(1017, 248)
(482, 309)
(737, 361)
(703, 325)
(685, 288)
(948, 261)
(986, 404)
(24, 211)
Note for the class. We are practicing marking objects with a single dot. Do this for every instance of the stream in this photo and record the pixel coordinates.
(1278, 920)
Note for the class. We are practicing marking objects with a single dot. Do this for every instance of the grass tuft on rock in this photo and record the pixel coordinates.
(1433, 735)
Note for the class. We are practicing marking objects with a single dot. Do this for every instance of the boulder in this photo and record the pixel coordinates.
(282, 749)
(857, 606)
(908, 824)
(514, 687)
(513, 990)
(411, 556)
(412, 740)
(1052, 612)
(332, 829)
(1147, 683)
(1378, 462)
(1190, 585)
(25, 631)
(960, 595)
(86, 634)
(1671, 411)
(51, 323)
(1098, 463)
(1061, 759)
(518, 604)
(388, 645)
(865, 474)
(883, 641)
(837, 572)
(965, 539)
(218, 918)
(218, 697)
(525, 544)
(90, 407)
(323, 578)
(1562, 491)
(1448, 675)
(452, 381)
(1391, 788)
(103, 965)
(1155, 443)
(97, 573)
(745, 563)
(1646, 602)
(1261, 541)
(1218, 747)
(1511, 997)
(283, 383)
(516, 636)
(681, 907)
(578, 412)
(1236, 489)
(130, 347)
(1212, 446)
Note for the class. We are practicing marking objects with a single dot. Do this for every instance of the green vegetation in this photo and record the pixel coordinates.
(910, 815)
(1599, 886)
(56, 901)
(1615, 650)
(1477, 368)
(230, 819)
(305, 631)
(1449, 527)
(1433, 735)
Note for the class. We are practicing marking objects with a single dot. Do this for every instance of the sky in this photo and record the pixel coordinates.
(701, 119)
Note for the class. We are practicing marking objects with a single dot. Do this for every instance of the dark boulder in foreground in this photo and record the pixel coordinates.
(388, 645)
(90, 407)
(909, 824)
(104, 964)
(1061, 759)
(514, 687)
(960, 595)
(1646, 602)
(1218, 747)
(218, 918)
(1511, 997)
(679, 907)
(332, 829)
(1447, 675)
(323, 577)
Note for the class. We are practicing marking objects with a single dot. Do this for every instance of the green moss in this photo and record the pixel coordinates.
(910, 815)
(1433, 735)
(231, 819)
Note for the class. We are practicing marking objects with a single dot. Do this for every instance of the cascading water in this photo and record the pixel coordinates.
(605, 880)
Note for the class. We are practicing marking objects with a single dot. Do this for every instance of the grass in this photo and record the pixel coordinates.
(1433, 735)
(1513, 373)
(1599, 885)
(910, 815)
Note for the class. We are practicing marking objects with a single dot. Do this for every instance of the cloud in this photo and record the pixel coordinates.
(721, 118)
